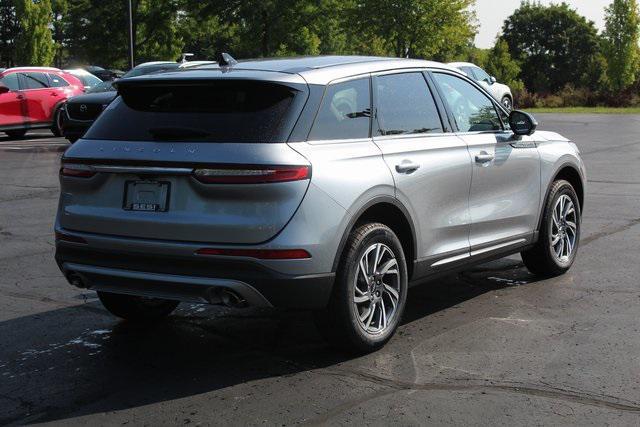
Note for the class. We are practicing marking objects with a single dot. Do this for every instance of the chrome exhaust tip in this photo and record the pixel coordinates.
(76, 280)
(232, 299)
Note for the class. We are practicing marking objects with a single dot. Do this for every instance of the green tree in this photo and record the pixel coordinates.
(434, 29)
(97, 32)
(554, 45)
(59, 9)
(157, 33)
(8, 31)
(500, 64)
(620, 43)
(34, 44)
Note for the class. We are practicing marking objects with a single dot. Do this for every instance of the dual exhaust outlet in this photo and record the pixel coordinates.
(215, 296)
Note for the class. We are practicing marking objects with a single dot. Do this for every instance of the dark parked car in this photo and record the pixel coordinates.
(82, 111)
(102, 73)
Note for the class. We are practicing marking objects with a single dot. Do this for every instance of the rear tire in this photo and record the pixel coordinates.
(557, 245)
(56, 128)
(16, 133)
(137, 309)
(364, 312)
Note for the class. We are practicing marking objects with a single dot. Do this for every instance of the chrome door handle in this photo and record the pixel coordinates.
(484, 157)
(407, 167)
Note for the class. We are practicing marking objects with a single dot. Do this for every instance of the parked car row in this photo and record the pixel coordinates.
(67, 101)
(32, 97)
(81, 111)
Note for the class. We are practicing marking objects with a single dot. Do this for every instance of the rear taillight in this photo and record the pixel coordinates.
(252, 174)
(257, 253)
(77, 171)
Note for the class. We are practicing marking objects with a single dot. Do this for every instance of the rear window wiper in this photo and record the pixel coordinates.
(177, 133)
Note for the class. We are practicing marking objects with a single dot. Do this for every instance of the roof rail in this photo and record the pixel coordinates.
(33, 68)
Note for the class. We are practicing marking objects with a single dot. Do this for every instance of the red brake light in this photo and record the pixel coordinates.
(257, 253)
(77, 171)
(252, 174)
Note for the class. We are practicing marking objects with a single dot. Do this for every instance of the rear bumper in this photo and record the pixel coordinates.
(190, 279)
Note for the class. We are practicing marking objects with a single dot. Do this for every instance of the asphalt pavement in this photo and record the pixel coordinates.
(491, 346)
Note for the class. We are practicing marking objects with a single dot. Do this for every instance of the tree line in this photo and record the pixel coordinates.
(542, 51)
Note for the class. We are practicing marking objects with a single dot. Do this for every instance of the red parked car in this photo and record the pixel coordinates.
(31, 97)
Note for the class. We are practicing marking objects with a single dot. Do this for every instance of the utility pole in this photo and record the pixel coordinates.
(131, 53)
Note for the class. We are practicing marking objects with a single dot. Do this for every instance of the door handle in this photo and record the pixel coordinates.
(19, 96)
(54, 94)
(407, 166)
(484, 157)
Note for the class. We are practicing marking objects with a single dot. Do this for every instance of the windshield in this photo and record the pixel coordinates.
(101, 87)
(88, 79)
(214, 111)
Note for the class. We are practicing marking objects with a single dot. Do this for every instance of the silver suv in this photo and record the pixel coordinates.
(329, 183)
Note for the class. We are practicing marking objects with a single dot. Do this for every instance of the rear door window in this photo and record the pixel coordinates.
(57, 81)
(405, 105)
(345, 112)
(33, 80)
(211, 111)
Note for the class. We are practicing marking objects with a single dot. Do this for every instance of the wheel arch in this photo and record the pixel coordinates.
(390, 212)
(569, 173)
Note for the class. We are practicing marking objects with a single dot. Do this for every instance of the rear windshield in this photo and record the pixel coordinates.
(218, 111)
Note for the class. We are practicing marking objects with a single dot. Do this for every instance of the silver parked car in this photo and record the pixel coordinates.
(499, 91)
(328, 183)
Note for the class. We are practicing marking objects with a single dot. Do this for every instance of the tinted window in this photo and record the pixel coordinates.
(215, 111)
(481, 75)
(473, 110)
(345, 112)
(57, 81)
(11, 81)
(405, 105)
(34, 80)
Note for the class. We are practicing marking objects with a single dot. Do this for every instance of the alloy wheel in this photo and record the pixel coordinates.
(377, 289)
(564, 229)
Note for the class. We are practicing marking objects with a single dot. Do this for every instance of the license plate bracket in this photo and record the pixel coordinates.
(146, 196)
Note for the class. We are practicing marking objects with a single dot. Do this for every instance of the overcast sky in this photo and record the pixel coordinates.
(492, 13)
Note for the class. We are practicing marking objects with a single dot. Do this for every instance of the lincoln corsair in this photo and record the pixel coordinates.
(330, 184)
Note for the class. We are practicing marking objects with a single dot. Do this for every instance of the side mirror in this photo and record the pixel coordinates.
(522, 123)
(4, 89)
(492, 80)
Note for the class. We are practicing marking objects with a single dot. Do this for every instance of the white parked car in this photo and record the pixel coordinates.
(499, 91)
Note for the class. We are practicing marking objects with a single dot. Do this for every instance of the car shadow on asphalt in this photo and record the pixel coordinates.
(79, 360)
